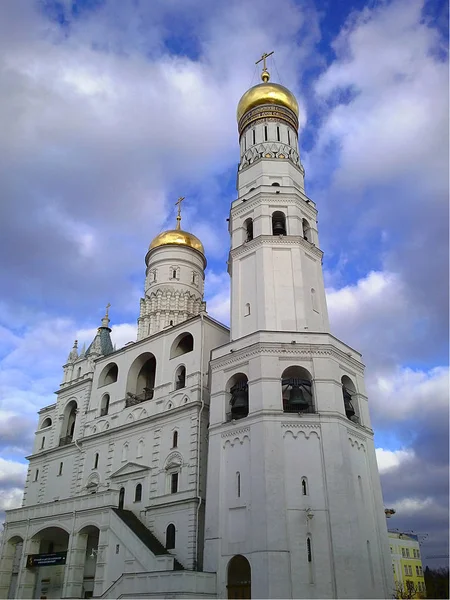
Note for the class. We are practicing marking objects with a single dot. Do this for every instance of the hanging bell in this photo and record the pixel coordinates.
(239, 400)
(278, 226)
(297, 398)
(349, 410)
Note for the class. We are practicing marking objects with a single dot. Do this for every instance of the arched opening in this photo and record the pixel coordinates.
(49, 579)
(238, 484)
(109, 375)
(46, 423)
(170, 537)
(141, 379)
(88, 540)
(180, 377)
(237, 388)
(96, 457)
(306, 229)
(79, 372)
(248, 226)
(183, 344)
(121, 498)
(296, 385)
(104, 406)
(12, 555)
(43, 442)
(175, 439)
(278, 223)
(275, 184)
(69, 420)
(138, 493)
(350, 400)
(239, 579)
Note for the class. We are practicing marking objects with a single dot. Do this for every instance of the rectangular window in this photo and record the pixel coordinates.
(403, 553)
(60, 468)
(278, 133)
(36, 475)
(417, 571)
(289, 138)
(254, 136)
(407, 552)
(174, 483)
(265, 133)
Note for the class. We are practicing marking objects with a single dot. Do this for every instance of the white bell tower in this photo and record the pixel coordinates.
(294, 506)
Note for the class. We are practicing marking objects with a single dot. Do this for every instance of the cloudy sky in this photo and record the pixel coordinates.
(111, 109)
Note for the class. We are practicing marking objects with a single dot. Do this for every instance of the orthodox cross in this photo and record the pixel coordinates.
(265, 73)
(178, 203)
(107, 309)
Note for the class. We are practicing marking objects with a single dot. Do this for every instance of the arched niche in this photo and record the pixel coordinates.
(239, 577)
(297, 392)
(170, 536)
(68, 423)
(237, 396)
(278, 223)
(108, 375)
(182, 344)
(248, 227)
(104, 405)
(141, 378)
(306, 230)
(180, 377)
(47, 422)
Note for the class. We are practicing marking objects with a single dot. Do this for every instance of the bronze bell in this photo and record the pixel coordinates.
(349, 410)
(278, 226)
(297, 398)
(239, 400)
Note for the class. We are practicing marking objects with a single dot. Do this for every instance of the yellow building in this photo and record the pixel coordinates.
(407, 564)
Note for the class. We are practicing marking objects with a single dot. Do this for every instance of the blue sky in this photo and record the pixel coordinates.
(112, 109)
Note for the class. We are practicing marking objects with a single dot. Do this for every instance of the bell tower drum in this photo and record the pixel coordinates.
(293, 504)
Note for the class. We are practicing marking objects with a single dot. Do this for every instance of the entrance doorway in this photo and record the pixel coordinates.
(239, 578)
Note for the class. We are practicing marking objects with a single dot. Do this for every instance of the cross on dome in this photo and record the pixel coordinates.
(265, 75)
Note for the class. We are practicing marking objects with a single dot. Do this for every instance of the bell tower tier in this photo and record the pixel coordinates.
(294, 506)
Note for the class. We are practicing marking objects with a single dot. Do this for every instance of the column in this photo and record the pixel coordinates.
(27, 577)
(74, 571)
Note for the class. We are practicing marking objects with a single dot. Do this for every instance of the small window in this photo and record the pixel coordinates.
(171, 322)
(175, 439)
(138, 493)
(245, 143)
(278, 134)
(308, 549)
(36, 475)
(46, 423)
(174, 274)
(96, 460)
(79, 372)
(314, 300)
(248, 226)
(238, 484)
(174, 483)
(104, 408)
(117, 548)
(182, 345)
(170, 537)
(304, 486)
(289, 137)
(407, 552)
(43, 442)
(265, 133)
(140, 449)
(247, 310)
(60, 468)
(180, 378)
(254, 136)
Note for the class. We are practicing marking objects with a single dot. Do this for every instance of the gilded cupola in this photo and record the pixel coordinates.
(177, 236)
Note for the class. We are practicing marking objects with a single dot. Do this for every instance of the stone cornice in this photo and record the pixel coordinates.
(235, 432)
(277, 240)
(283, 198)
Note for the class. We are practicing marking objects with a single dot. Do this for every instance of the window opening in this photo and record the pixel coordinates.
(96, 460)
(60, 468)
(238, 484)
(306, 229)
(46, 423)
(265, 133)
(296, 386)
(121, 497)
(138, 493)
(182, 345)
(278, 134)
(170, 537)
(79, 372)
(36, 474)
(289, 137)
(43, 442)
(105, 405)
(348, 393)
(175, 439)
(254, 136)
(174, 483)
(308, 549)
(278, 223)
(239, 398)
(248, 224)
(304, 487)
(247, 310)
(180, 378)
(174, 274)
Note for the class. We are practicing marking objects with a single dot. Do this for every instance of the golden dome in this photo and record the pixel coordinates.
(178, 237)
(266, 93)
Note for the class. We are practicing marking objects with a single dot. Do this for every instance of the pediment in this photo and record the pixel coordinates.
(130, 468)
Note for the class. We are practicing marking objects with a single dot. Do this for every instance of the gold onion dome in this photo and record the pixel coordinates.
(266, 93)
(178, 237)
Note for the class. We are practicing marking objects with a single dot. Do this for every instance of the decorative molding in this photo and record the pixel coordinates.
(236, 432)
(277, 240)
(284, 199)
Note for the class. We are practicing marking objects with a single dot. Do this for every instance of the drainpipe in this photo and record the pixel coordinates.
(202, 401)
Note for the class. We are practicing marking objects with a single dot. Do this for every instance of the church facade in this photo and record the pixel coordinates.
(207, 462)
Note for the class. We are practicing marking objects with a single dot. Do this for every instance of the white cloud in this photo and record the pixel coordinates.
(218, 296)
(389, 459)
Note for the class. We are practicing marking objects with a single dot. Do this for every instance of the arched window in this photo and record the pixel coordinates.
(43, 443)
(278, 134)
(183, 344)
(140, 449)
(350, 400)
(138, 493)
(238, 484)
(124, 452)
(265, 133)
(296, 385)
(174, 273)
(79, 372)
(254, 136)
(69, 419)
(275, 184)
(46, 423)
(304, 486)
(170, 537)
(289, 137)
(96, 460)
(306, 229)
(104, 407)
(121, 497)
(278, 223)
(248, 225)
(60, 468)
(237, 388)
(175, 439)
(180, 377)
(109, 375)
